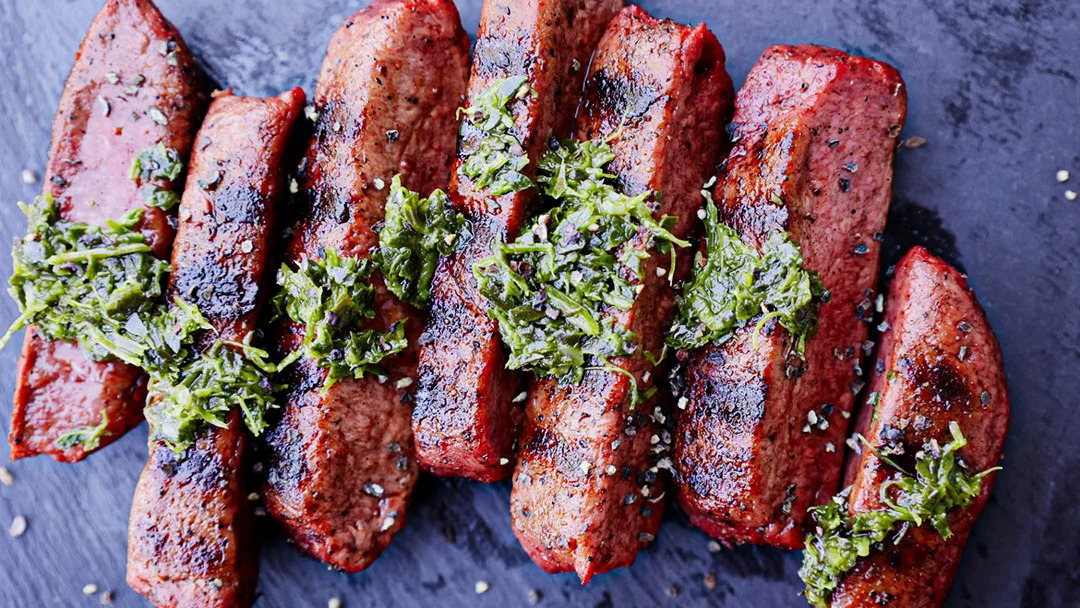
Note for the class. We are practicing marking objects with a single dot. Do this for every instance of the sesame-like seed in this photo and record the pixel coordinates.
(253, 496)
(404, 382)
(387, 524)
(701, 214)
(481, 587)
(294, 186)
(710, 581)
(1062, 176)
(611, 469)
(585, 466)
(683, 401)
(217, 583)
(335, 602)
(89, 589)
(504, 461)
(18, 526)
(6, 477)
(520, 397)
(379, 183)
(661, 271)
(714, 546)
(450, 238)
(247, 246)
(310, 113)
(29, 177)
(829, 447)
(1071, 195)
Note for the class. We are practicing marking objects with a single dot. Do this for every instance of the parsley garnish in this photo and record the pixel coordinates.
(553, 290)
(494, 157)
(414, 234)
(103, 288)
(87, 436)
(153, 164)
(737, 283)
(332, 298)
(203, 389)
(71, 280)
(939, 485)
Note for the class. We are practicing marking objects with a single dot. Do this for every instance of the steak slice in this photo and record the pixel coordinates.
(99, 128)
(465, 421)
(341, 465)
(586, 494)
(190, 539)
(762, 434)
(942, 365)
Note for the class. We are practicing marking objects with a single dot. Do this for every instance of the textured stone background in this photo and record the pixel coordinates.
(993, 88)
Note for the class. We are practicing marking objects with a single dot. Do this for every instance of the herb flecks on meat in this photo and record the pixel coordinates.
(494, 157)
(332, 298)
(415, 232)
(152, 166)
(939, 485)
(77, 282)
(554, 289)
(89, 437)
(733, 284)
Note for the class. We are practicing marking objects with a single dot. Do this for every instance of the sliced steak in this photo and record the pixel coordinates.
(134, 85)
(341, 463)
(465, 421)
(942, 364)
(586, 493)
(762, 434)
(190, 537)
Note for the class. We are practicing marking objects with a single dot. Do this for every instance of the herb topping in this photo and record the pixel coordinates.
(414, 234)
(332, 298)
(553, 290)
(494, 157)
(87, 436)
(736, 283)
(157, 163)
(939, 485)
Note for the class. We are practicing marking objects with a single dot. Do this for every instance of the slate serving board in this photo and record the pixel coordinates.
(993, 88)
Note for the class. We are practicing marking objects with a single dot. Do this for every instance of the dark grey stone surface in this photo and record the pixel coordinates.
(993, 88)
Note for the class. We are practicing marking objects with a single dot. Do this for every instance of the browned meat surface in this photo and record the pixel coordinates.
(762, 434)
(586, 493)
(465, 422)
(100, 126)
(190, 539)
(341, 462)
(945, 366)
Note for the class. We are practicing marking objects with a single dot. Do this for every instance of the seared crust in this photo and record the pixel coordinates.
(464, 421)
(586, 494)
(98, 129)
(817, 128)
(190, 540)
(341, 464)
(945, 366)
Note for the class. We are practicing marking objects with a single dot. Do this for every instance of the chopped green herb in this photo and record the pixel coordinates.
(415, 233)
(332, 298)
(89, 437)
(555, 288)
(157, 163)
(72, 280)
(202, 390)
(938, 486)
(737, 283)
(494, 156)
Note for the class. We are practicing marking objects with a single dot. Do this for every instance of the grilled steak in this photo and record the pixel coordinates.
(464, 419)
(190, 539)
(942, 364)
(762, 433)
(341, 461)
(586, 495)
(134, 85)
